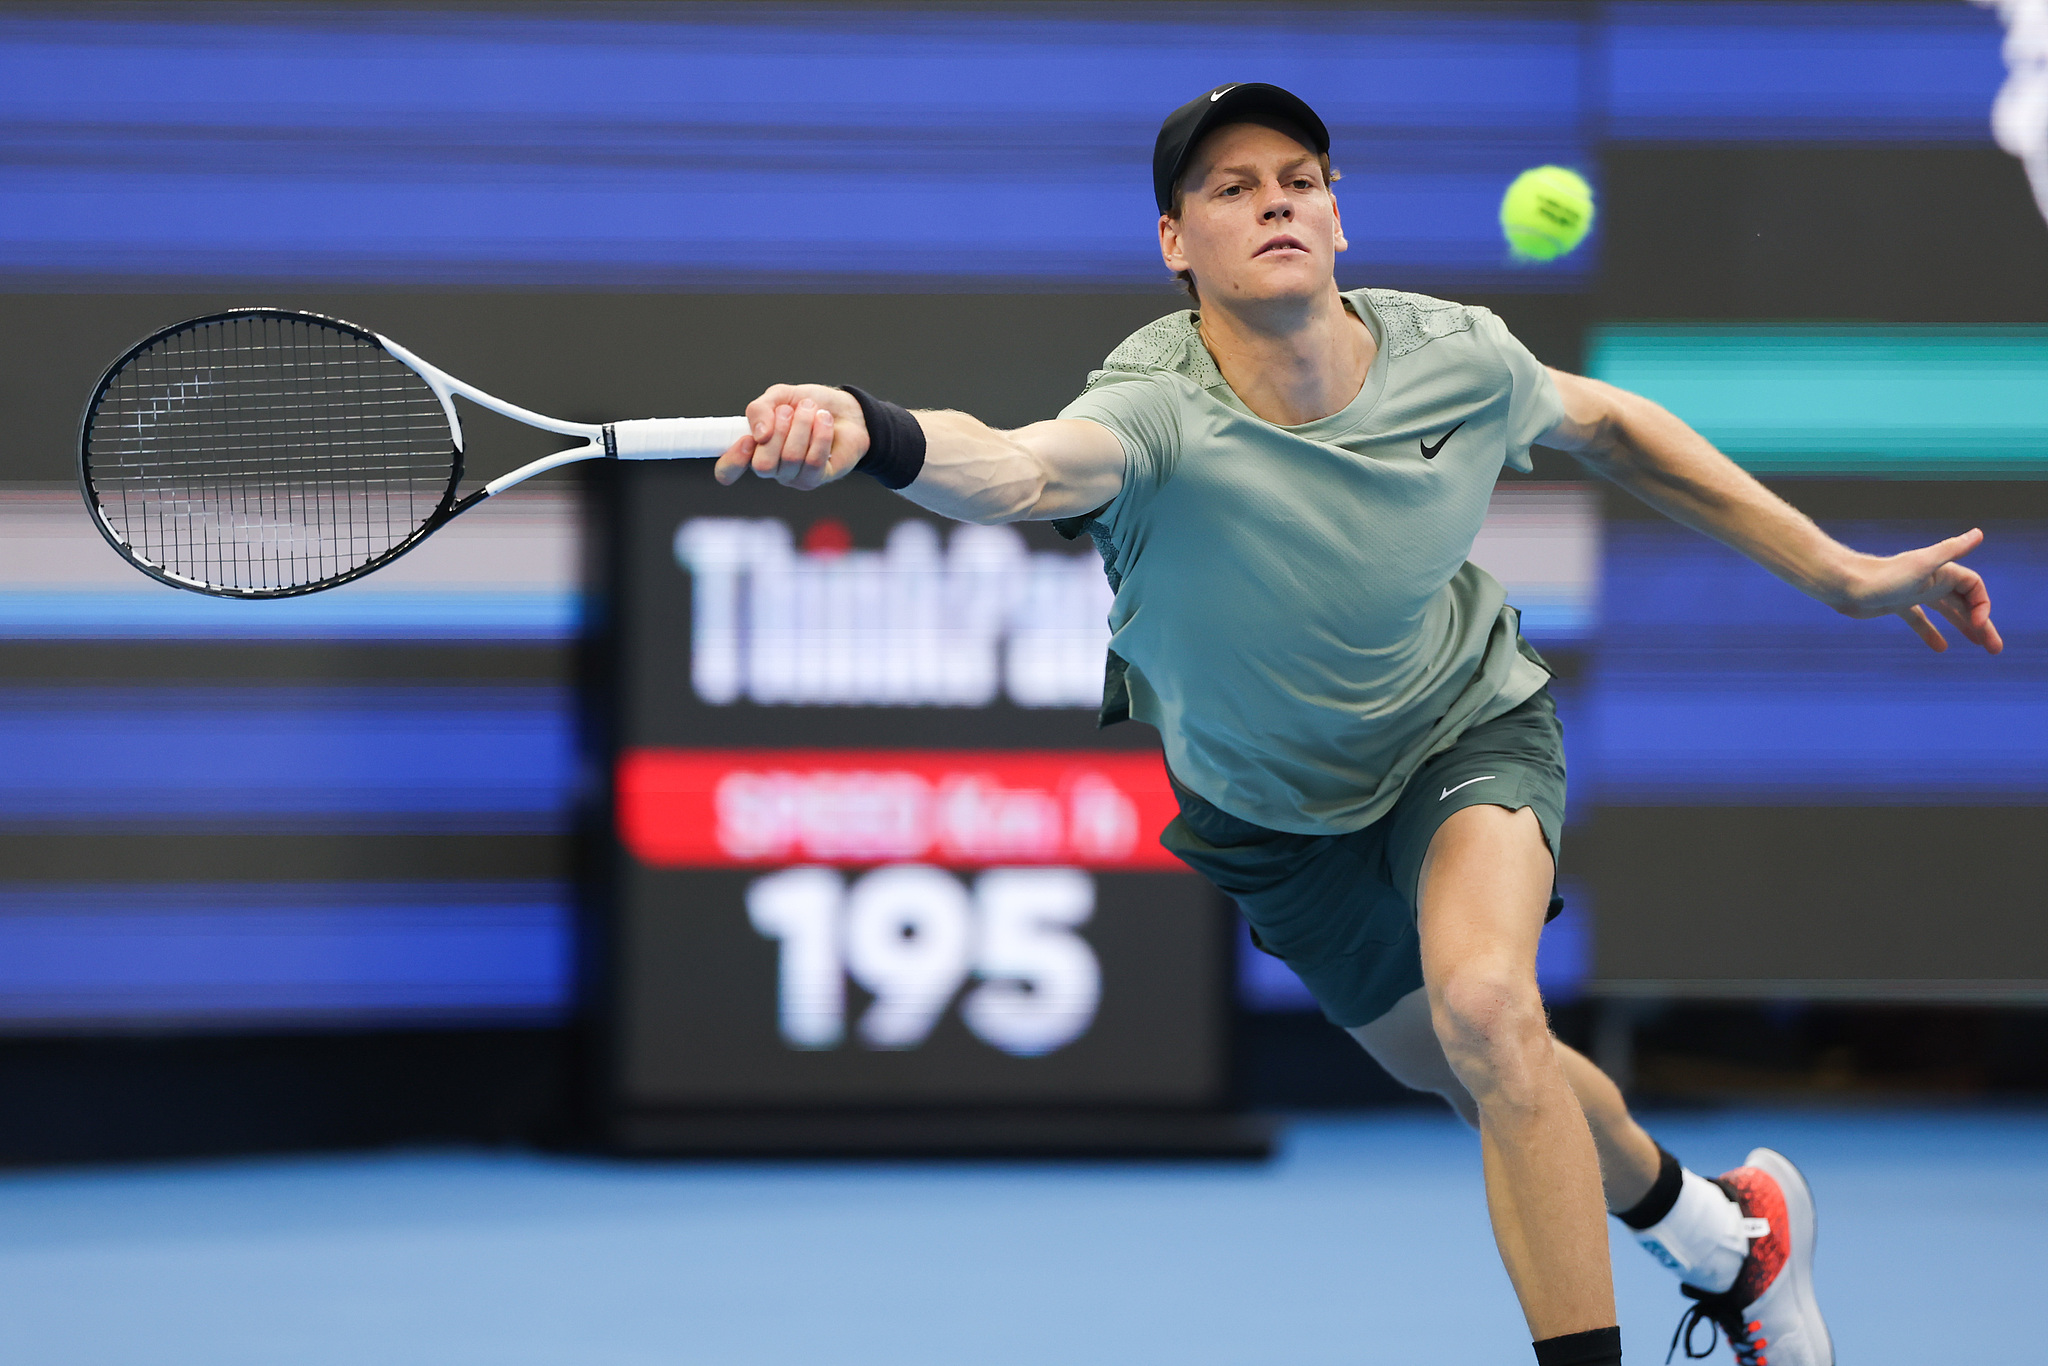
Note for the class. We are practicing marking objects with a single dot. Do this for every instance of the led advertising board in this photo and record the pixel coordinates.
(869, 848)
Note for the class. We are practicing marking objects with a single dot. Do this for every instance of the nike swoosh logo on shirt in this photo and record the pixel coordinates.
(1467, 783)
(1429, 451)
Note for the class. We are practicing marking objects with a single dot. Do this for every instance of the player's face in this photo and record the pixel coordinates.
(1257, 221)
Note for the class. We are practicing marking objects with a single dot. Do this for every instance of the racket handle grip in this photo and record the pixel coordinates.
(673, 438)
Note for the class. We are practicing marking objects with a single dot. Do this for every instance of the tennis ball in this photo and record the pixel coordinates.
(1546, 212)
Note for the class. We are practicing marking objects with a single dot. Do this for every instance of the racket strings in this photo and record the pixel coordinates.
(262, 453)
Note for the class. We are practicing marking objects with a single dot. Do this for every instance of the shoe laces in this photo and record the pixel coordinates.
(1723, 1317)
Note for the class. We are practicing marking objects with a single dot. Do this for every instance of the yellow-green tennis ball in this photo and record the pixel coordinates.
(1546, 212)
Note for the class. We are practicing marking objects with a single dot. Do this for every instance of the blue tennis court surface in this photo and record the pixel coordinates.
(1365, 1242)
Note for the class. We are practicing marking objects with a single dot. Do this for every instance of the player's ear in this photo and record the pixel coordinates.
(1169, 244)
(1337, 214)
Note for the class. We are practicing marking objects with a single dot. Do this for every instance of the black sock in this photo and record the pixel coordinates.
(1663, 1194)
(1594, 1347)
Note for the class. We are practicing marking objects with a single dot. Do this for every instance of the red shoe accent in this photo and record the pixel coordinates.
(1758, 1197)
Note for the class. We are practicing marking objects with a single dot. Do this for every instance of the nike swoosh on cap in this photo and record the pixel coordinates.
(1216, 95)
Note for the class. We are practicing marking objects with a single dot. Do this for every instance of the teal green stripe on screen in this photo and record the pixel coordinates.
(1882, 402)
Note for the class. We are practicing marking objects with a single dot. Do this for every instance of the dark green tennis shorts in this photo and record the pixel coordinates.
(1340, 909)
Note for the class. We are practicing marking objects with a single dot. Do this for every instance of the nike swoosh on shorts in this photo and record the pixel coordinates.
(1467, 783)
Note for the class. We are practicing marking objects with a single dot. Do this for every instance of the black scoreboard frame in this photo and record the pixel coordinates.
(1191, 1114)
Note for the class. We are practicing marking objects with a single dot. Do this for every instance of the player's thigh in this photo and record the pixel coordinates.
(1474, 837)
(1482, 898)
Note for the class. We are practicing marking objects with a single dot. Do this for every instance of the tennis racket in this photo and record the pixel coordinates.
(264, 453)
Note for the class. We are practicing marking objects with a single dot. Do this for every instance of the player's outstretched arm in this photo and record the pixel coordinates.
(1655, 456)
(805, 435)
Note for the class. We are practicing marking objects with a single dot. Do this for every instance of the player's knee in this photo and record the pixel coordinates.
(1491, 1023)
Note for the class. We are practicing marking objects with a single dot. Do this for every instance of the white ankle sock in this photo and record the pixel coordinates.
(1704, 1239)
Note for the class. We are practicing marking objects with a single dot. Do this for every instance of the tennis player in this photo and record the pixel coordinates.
(1284, 484)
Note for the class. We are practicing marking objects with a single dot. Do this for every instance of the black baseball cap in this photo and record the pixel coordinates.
(1187, 125)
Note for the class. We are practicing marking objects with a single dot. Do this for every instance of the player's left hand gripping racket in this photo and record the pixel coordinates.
(262, 453)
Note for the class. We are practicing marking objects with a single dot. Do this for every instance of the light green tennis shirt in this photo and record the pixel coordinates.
(1294, 608)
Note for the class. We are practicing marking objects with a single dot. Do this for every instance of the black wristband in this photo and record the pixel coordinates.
(1594, 1347)
(895, 441)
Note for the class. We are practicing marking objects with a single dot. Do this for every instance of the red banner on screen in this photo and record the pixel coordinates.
(698, 808)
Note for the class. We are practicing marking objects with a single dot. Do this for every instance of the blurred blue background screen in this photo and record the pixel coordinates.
(360, 808)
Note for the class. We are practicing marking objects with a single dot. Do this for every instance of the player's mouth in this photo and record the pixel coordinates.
(1282, 244)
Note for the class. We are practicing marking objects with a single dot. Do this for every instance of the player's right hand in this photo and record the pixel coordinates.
(1905, 585)
(800, 435)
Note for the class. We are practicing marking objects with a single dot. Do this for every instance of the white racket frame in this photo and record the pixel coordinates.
(646, 438)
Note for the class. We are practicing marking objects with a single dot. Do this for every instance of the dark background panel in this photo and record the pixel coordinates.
(113, 854)
(1819, 1052)
(1792, 900)
(150, 1096)
(697, 994)
(293, 661)
(1874, 234)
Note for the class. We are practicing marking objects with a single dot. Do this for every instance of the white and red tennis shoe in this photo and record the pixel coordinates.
(1769, 1315)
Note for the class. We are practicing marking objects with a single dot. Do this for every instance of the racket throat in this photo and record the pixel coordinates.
(462, 505)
